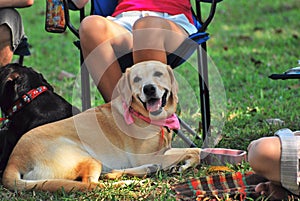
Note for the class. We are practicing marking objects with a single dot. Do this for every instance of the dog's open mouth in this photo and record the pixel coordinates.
(155, 105)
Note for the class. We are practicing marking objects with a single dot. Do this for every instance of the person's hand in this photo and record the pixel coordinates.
(271, 190)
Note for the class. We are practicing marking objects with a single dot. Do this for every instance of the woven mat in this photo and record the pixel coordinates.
(238, 185)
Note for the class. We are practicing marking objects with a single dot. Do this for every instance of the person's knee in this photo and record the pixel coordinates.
(5, 34)
(264, 153)
(91, 24)
(254, 150)
(11, 31)
(6, 49)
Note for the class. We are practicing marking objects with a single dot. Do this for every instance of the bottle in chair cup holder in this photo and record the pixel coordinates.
(55, 16)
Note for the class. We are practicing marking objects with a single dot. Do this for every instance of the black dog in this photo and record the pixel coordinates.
(28, 101)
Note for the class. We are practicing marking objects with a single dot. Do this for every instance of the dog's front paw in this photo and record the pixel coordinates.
(192, 160)
(115, 174)
(139, 171)
(152, 168)
(188, 164)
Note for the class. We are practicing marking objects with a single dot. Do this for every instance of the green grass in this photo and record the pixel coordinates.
(249, 41)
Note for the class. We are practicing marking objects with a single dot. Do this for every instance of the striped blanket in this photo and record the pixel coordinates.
(235, 185)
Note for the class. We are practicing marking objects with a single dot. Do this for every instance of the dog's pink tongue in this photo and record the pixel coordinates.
(152, 107)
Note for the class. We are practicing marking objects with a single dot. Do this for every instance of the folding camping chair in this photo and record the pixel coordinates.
(105, 8)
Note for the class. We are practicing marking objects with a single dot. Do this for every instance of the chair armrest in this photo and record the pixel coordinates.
(211, 13)
(69, 5)
(72, 5)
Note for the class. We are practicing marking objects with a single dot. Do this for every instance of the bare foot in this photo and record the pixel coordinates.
(274, 191)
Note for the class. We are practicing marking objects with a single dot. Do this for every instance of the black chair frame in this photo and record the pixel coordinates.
(22, 50)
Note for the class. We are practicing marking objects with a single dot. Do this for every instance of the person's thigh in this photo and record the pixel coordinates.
(6, 52)
(5, 36)
(95, 30)
(153, 32)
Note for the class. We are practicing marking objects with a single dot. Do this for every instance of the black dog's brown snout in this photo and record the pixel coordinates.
(149, 90)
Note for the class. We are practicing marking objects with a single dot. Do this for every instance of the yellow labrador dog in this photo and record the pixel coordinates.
(131, 135)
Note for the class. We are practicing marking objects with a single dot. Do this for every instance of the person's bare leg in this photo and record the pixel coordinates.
(154, 38)
(6, 52)
(100, 40)
(264, 158)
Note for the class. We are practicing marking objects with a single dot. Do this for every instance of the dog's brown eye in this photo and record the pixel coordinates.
(157, 74)
(137, 79)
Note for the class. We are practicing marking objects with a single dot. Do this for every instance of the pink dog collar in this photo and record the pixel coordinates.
(170, 122)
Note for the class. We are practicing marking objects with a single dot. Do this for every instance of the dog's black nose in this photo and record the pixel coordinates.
(149, 90)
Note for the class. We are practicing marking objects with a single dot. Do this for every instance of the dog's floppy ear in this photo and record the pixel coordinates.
(8, 90)
(174, 85)
(124, 89)
(10, 83)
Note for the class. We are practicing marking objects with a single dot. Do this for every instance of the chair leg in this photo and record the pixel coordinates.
(21, 59)
(189, 129)
(85, 88)
(204, 92)
(189, 142)
(85, 77)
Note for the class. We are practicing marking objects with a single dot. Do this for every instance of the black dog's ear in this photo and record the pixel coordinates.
(10, 83)
(9, 91)
(9, 87)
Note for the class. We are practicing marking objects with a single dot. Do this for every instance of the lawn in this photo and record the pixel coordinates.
(249, 41)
